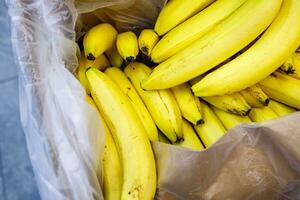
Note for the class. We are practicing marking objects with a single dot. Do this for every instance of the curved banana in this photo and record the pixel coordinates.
(139, 171)
(147, 40)
(127, 45)
(193, 28)
(114, 57)
(175, 12)
(212, 129)
(99, 39)
(233, 103)
(281, 109)
(282, 88)
(248, 21)
(160, 103)
(267, 54)
(190, 139)
(111, 164)
(119, 78)
(255, 97)
(187, 103)
(292, 65)
(100, 63)
(230, 120)
(262, 114)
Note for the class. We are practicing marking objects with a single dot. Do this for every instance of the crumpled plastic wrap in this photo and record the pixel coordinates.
(65, 139)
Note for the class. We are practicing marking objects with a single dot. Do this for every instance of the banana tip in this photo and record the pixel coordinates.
(200, 121)
(267, 101)
(145, 50)
(90, 57)
(130, 59)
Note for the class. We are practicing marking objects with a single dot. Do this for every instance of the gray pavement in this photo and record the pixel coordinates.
(16, 176)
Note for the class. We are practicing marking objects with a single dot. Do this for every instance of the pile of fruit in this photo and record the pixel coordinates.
(204, 68)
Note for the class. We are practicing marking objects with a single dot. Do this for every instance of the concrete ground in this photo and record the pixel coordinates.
(16, 176)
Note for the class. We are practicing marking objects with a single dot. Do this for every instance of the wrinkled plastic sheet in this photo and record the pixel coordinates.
(65, 139)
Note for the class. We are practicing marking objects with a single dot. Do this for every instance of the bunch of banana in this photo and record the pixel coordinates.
(220, 43)
(139, 171)
(111, 171)
(161, 104)
(127, 45)
(292, 65)
(147, 40)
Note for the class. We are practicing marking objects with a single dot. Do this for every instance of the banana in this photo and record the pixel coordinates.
(147, 40)
(193, 28)
(230, 120)
(127, 45)
(139, 171)
(262, 114)
(255, 97)
(99, 39)
(163, 138)
(114, 57)
(119, 78)
(281, 109)
(187, 103)
(292, 65)
(248, 22)
(282, 88)
(100, 63)
(212, 129)
(160, 103)
(233, 103)
(190, 139)
(111, 165)
(278, 42)
(177, 11)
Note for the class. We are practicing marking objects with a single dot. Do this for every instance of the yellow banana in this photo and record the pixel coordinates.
(114, 57)
(111, 164)
(99, 39)
(163, 138)
(175, 12)
(233, 103)
(160, 103)
(278, 42)
(100, 63)
(147, 40)
(255, 97)
(262, 114)
(281, 109)
(230, 120)
(282, 88)
(193, 28)
(247, 22)
(292, 65)
(127, 88)
(187, 103)
(139, 171)
(212, 129)
(190, 139)
(127, 45)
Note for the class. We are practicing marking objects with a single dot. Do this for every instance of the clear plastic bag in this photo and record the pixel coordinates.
(65, 139)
